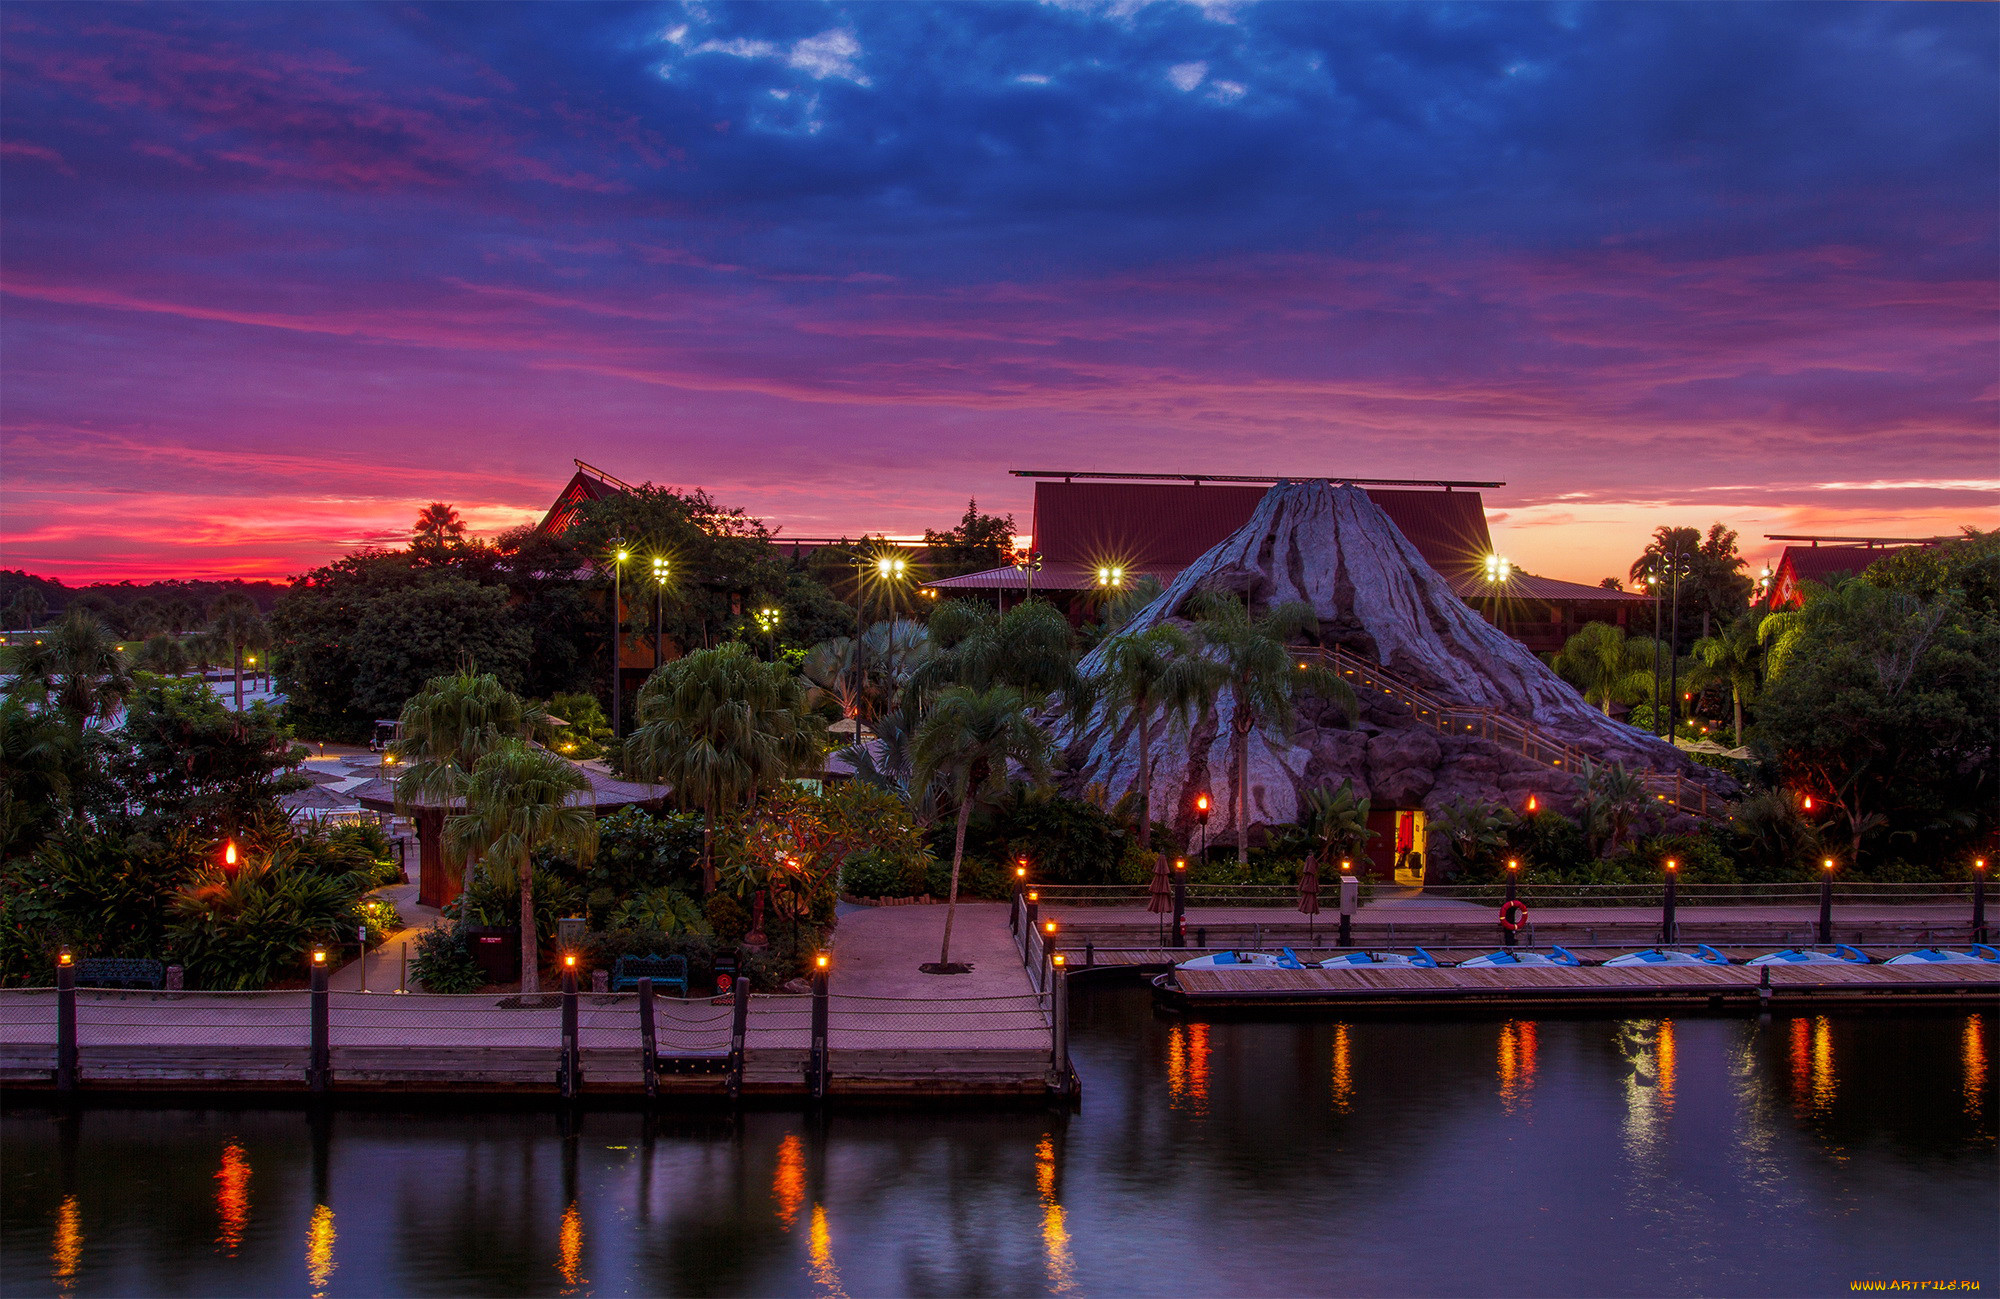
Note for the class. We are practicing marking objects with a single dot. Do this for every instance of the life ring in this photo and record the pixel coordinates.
(1513, 915)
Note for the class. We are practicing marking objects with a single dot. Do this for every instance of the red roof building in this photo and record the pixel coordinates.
(1823, 559)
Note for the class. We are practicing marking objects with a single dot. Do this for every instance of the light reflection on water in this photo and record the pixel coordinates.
(1642, 1155)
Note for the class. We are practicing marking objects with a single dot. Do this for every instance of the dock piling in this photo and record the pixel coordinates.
(319, 1067)
(649, 1049)
(1059, 1031)
(570, 1075)
(739, 1027)
(816, 1064)
(1979, 901)
(65, 1025)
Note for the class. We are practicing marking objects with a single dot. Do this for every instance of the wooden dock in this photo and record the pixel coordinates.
(1789, 988)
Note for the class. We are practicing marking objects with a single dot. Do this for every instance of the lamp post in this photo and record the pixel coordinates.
(618, 557)
(1030, 563)
(1020, 889)
(1674, 656)
(1979, 899)
(1201, 810)
(1498, 571)
(1180, 902)
(1826, 901)
(660, 571)
(1669, 929)
(768, 619)
(1513, 884)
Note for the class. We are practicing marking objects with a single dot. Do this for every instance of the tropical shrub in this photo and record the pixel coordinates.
(664, 909)
(444, 963)
(497, 902)
(873, 874)
(727, 919)
(246, 928)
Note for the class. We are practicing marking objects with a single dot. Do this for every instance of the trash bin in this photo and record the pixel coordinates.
(497, 952)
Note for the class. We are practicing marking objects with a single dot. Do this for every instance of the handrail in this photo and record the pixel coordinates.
(1493, 725)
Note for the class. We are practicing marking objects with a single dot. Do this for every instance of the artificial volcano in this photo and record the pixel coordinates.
(1378, 600)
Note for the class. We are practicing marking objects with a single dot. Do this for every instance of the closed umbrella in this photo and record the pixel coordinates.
(1161, 899)
(1309, 891)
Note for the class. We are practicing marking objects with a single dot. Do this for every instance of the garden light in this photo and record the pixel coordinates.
(1034, 895)
(1532, 804)
(569, 960)
(1056, 959)
(1513, 865)
(1672, 865)
(1180, 863)
(319, 956)
(64, 958)
(1826, 865)
(821, 961)
(229, 853)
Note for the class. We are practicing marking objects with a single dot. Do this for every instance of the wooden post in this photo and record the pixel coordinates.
(739, 1026)
(816, 1065)
(1826, 907)
(65, 1025)
(1979, 902)
(1764, 991)
(649, 1049)
(1669, 929)
(570, 1076)
(1059, 1031)
(319, 1069)
(1180, 908)
(1513, 881)
(1350, 898)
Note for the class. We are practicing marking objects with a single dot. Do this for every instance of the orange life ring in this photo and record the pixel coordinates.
(1518, 910)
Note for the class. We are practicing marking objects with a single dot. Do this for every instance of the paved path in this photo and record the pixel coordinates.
(877, 951)
(383, 965)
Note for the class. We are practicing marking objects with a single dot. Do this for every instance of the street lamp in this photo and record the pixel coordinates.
(1110, 577)
(661, 569)
(1201, 810)
(618, 557)
(1030, 563)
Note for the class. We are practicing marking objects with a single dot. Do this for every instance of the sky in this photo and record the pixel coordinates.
(273, 276)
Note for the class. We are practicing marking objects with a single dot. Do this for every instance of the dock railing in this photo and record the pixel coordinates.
(1537, 894)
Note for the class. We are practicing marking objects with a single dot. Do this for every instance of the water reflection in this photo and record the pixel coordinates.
(232, 1198)
(788, 1187)
(1187, 1067)
(67, 1251)
(319, 1249)
(570, 1243)
(1663, 1058)
(1516, 1065)
(1343, 1070)
(1055, 1232)
(819, 1262)
(1973, 1047)
(1648, 1047)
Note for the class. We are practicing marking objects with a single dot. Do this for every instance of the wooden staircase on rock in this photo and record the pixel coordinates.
(1500, 728)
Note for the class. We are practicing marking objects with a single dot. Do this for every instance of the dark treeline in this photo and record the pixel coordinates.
(130, 609)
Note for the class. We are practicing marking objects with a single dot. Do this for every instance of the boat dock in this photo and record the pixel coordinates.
(1778, 988)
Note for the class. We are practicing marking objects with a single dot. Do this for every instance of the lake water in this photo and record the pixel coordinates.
(1560, 1156)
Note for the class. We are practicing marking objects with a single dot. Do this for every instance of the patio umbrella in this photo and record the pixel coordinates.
(315, 798)
(1161, 900)
(1309, 891)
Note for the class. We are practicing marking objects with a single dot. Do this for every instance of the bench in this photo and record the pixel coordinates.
(666, 972)
(120, 972)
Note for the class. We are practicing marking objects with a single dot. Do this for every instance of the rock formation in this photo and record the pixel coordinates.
(1333, 548)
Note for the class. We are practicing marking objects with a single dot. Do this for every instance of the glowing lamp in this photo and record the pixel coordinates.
(820, 961)
(1808, 802)
(319, 956)
(64, 958)
(1057, 959)
(1345, 864)
(1048, 926)
(1673, 865)
(624, 555)
(1513, 865)
(1180, 863)
(229, 853)
(569, 960)
(1532, 804)
(1979, 863)
(1827, 864)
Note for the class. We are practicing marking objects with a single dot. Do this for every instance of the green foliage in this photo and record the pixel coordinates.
(246, 929)
(1773, 842)
(1711, 578)
(192, 763)
(73, 672)
(1065, 840)
(588, 729)
(443, 961)
(665, 909)
(495, 901)
(1612, 801)
(727, 919)
(1473, 833)
(979, 542)
(1606, 666)
(163, 655)
(636, 850)
(1968, 566)
(1332, 823)
(46, 768)
(1881, 706)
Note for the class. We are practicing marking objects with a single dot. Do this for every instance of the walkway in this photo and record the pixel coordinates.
(382, 969)
(877, 951)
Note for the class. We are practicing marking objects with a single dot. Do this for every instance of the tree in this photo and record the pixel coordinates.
(28, 609)
(1335, 821)
(163, 655)
(1606, 666)
(1263, 680)
(1879, 704)
(520, 800)
(445, 730)
(1612, 799)
(1031, 647)
(190, 763)
(718, 725)
(585, 728)
(237, 624)
(968, 740)
(1151, 671)
(409, 636)
(1712, 583)
(979, 542)
(75, 669)
(1472, 830)
(1733, 657)
(41, 763)
(438, 529)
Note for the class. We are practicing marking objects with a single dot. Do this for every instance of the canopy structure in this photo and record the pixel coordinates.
(436, 886)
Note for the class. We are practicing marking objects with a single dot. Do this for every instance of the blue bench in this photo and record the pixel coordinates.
(120, 972)
(666, 972)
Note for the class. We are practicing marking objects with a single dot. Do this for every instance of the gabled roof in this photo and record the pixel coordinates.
(589, 483)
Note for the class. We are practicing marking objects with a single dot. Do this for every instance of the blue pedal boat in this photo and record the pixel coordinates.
(1841, 954)
(1703, 954)
(1420, 959)
(1977, 954)
(1507, 957)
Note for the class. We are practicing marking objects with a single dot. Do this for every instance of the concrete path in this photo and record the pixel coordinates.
(877, 950)
(382, 967)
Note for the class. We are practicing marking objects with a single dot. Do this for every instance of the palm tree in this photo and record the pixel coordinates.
(238, 625)
(520, 799)
(967, 740)
(1472, 829)
(1263, 680)
(1031, 647)
(1147, 672)
(1336, 821)
(163, 654)
(1606, 666)
(30, 606)
(445, 729)
(75, 668)
(438, 528)
(1734, 655)
(1612, 799)
(718, 725)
